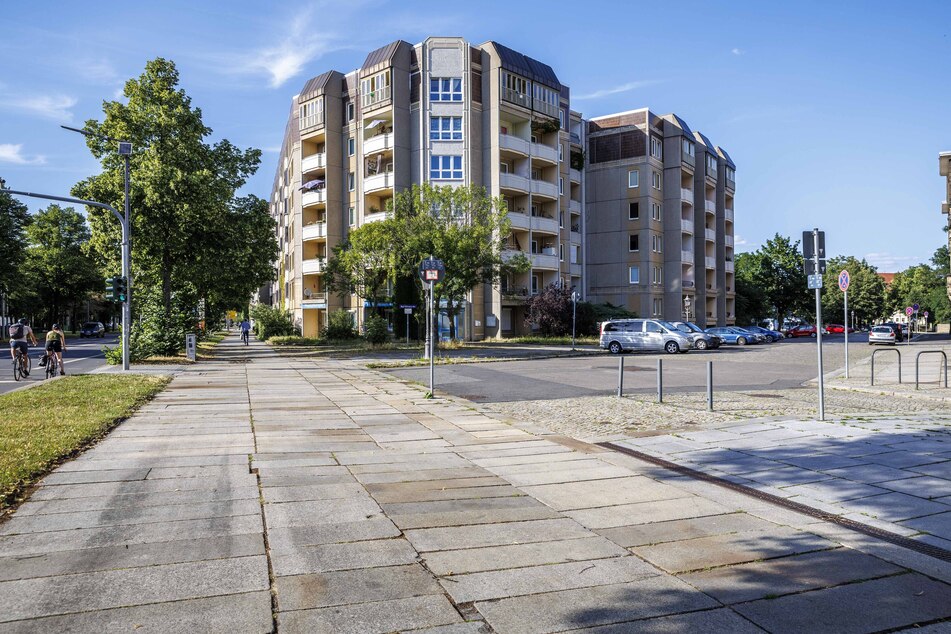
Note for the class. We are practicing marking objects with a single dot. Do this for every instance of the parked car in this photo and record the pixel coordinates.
(771, 335)
(897, 329)
(881, 334)
(701, 340)
(836, 329)
(804, 330)
(92, 329)
(733, 334)
(642, 334)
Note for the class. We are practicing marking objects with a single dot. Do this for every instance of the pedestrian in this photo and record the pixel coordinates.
(56, 346)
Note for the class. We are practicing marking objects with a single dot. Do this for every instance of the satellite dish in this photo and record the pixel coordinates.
(308, 293)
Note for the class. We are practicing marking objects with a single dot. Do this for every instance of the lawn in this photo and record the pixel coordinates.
(42, 426)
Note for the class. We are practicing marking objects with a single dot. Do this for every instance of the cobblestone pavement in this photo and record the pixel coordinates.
(318, 496)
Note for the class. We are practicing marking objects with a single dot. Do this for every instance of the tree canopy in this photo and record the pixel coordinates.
(14, 219)
(771, 280)
(866, 291)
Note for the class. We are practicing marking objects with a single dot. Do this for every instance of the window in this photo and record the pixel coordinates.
(633, 211)
(351, 181)
(561, 153)
(687, 146)
(634, 275)
(657, 244)
(445, 167)
(561, 185)
(633, 243)
(655, 180)
(445, 89)
(561, 219)
(535, 285)
(711, 165)
(351, 111)
(546, 100)
(574, 251)
(561, 119)
(655, 211)
(514, 88)
(730, 174)
(504, 167)
(657, 275)
(658, 308)
(312, 113)
(561, 252)
(375, 88)
(352, 215)
(351, 146)
(445, 128)
(657, 148)
(632, 179)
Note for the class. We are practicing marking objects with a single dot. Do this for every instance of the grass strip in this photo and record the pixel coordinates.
(42, 426)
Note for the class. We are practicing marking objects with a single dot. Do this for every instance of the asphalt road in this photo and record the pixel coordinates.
(784, 364)
(82, 355)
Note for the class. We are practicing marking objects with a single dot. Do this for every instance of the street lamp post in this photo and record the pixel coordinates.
(687, 307)
(574, 312)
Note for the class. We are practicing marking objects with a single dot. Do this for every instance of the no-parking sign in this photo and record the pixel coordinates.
(844, 281)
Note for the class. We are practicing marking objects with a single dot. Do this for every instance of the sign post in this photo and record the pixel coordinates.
(407, 310)
(431, 271)
(814, 261)
(844, 281)
(574, 312)
(908, 313)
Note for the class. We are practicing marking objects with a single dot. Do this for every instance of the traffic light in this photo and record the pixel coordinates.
(110, 289)
(120, 288)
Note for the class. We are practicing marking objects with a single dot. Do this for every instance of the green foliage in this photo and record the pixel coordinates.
(607, 310)
(771, 281)
(546, 125)
(577, 159)
(377, 331)
(294, 340)
(364, 262)
(14, 219)
(866, 291)
(339, 326)
(271, 321)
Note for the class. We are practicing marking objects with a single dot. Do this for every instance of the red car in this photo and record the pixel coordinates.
(835, 329)
(804, 330)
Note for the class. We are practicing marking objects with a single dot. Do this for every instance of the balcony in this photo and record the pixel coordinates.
(688, 283)
(728, 266)
(686, 195)
(545, 225)
(379, 143)
(314, 162)
(376, 217)
(311, 121)
(574, 175)
(376, 98)
(518, 98)
(686, 257)
(545, 189)
(520, 220)
(574, 270)
(514, 182)
(710, 206)
(313, 266)
(315, 231)
(516, 295)
(710, 235)
(728, 241)
(546, 108)
(378, 182)
(711, 263)
(316, 197)
(544, 153)
(686, 226)
(513, 144)
(574, 206)
(545, 260)
(575, 235)
(575, 138)
(316, 300)
(728, 214)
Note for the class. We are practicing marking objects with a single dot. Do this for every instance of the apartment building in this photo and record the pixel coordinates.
(944, 169)
(443, 112)
(659, 232)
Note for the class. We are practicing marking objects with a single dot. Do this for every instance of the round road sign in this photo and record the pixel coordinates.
(909, 311)
(915, 307)
(844, 281)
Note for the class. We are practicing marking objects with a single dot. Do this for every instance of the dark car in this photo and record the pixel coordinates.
(805, 330)
(771, 335)
(701, 340)
(899, 333)
(92, 329)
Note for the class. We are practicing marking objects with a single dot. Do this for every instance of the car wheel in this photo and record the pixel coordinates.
(671, 347)
(700, 344)
(614, 347)
(812, 334)
(770, 339)
(741, 341)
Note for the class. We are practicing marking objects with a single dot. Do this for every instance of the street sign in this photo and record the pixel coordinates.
(815, 281)
(909, 311)
(405, 306)
(844, 281)
(432, 270)
(809, 266)
(915, 307)
(926, 314)
(408, 311)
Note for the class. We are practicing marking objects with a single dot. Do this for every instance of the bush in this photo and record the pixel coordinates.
(270, 321)
(294, 340)
(377, 330)
(339, 326)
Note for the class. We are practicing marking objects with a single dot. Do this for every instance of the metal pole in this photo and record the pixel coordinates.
(407, 329)
(710, 385)
(846, 315)
(574, 307)
(127, 274)
(620, 376)
(822, 404)
(432, 340)
(660, 380)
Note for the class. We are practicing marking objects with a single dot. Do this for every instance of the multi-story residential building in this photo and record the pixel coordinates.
(659, 236)
(443, 112)
(944, 168)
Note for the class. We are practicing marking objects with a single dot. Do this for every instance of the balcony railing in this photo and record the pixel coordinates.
(546, 108)
(513, 144)
(314, 231)
(686, 256)
(574, 206)
(546, 225)
(516, 97)
(378, 182)
(378, 143)
(316, 197)
(728, 241)
(688, 283)
(711, 263)
(515, 294)
(520, 220)
(544, 188)
(686, 195)
(728, 266)
(728, 214)
(314, 265)
(544, 152)
(312, 120)
(315, 298)
(375, 97)
(544, 261)
(686, 226)
(314, 162)
(574, 175)
(710, 235)
(710, 206)
(575, 138)
(513, 181)
(574, 269)
(376, 217)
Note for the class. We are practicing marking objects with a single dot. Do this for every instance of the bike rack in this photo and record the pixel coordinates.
(896, 351)
(941, 352)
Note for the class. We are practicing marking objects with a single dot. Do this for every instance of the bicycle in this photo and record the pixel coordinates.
(52, 365)
(21, 365)
(244, 336)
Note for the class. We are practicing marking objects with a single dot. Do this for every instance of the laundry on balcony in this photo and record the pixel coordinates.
(317, 183)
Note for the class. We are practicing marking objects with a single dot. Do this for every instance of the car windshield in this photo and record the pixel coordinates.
(884, 329)
(691, 327)
(90, 325)
(669, 326)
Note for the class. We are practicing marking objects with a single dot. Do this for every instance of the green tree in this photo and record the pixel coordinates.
(365, 261)
(866, 291)
(922, 285)
(57, 263)
(751, 302)
(14, 219)
(771, 280)
(182, 187)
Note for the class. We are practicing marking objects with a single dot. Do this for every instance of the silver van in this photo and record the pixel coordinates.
(642, 334)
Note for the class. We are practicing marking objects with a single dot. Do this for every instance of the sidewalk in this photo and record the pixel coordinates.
(260, 493)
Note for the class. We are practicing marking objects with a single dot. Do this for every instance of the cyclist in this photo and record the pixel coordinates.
(19, 333)
(55, 346)
(245, 331)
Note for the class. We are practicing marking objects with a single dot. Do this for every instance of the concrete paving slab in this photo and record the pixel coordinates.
(869, 606)
(422, 475)
(345, 556)
(86, 477)
(369, 618)
(410, 494)
(702, 622)
(870, 473)
(478, 536)
(927, 487)
(647, 512)
(896, 507)
(597, 493)
(676, 530)
(556, 476)
(314, 512)
(301, 592)
(291, 540)
(80, 504)
(416, 515)
(938, 525)
(313, 492)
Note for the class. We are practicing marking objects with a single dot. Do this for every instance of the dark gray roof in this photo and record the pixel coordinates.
(703, 139)
(682, 124)
(384, 54)
(527, 67)
(314, 86)
(726, 157)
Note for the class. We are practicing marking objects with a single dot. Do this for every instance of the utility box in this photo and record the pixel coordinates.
(191, 347)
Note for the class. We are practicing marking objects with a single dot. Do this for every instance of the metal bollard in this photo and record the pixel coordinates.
(710, 386)
(660, 380)
(620, 376)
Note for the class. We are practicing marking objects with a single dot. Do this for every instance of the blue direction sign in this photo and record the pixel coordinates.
(915, 307)
(815, 281)
(844, 281)
(432, 270)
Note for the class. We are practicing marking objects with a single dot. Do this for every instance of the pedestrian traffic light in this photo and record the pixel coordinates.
(120, 288)
(110, 289)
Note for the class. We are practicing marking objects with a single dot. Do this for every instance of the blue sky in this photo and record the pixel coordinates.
(834, 112)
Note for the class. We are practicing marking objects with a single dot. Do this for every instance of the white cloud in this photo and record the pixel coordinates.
(13, 153)
(739, 241)
(55, 107)
(604, 92)
(889, 263)
(98, 71)
(271, 149)
(737, 51)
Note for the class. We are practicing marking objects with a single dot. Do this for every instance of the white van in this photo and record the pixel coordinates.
(642, 334)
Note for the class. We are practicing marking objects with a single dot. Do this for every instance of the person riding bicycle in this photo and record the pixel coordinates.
(55, 346)
(245, 330)
(19, 333)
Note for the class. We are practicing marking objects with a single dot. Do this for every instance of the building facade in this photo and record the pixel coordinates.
(944, 168)
(443, 112)
(659, 219)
